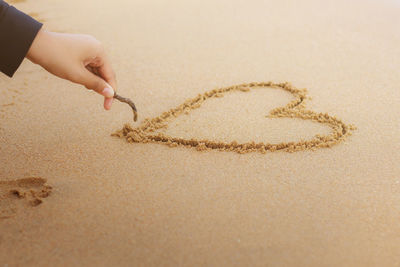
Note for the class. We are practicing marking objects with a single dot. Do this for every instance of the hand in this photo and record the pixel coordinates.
(75, 57)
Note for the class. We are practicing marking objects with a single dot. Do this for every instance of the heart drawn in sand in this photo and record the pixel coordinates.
(146, 131)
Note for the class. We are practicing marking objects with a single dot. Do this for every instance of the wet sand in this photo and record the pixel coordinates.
(146, 204)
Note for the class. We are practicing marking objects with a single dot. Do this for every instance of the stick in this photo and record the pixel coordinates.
(129, 102)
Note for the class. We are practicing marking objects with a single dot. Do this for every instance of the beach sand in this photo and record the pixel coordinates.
(105, 202)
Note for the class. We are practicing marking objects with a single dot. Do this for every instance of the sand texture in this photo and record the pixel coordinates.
(73, 195)
(295, 109)
(32, 189)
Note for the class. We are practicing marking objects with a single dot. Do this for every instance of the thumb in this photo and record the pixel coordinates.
(97, 84)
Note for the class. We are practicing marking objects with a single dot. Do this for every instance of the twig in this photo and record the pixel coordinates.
(129, 102)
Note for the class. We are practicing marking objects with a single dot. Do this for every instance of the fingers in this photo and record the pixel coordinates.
(102, 67)
(108, 74)
(78, 58)
(108, 103)
(96, 83)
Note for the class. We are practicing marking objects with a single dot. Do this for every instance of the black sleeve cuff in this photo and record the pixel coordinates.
(17, 32)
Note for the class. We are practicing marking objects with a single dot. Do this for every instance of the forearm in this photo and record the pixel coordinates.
(78, 58)
(17, 32)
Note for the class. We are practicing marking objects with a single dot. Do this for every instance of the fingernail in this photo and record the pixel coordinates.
(108, 92)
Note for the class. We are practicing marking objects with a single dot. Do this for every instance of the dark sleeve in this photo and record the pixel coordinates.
(17, 32)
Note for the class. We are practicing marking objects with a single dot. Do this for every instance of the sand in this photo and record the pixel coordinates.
(145, 133)
(31, 189)
(114, 203)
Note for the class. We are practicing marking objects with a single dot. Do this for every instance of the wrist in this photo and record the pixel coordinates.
(38, 46)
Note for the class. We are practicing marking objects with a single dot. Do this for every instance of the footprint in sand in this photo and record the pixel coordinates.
(21, 193)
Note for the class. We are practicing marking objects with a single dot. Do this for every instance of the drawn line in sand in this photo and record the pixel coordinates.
(25, 192)
(145, 132)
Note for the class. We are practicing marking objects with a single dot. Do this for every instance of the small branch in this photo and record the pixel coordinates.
(129, 102)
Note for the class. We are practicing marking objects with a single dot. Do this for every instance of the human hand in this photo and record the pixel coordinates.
(75, 57)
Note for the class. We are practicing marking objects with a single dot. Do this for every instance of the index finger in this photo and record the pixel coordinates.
(107, 73)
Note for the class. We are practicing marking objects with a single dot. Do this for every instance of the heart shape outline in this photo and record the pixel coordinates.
(296, 108)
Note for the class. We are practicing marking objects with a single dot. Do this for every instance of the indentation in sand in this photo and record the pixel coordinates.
(146, 131)
(21, 193)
